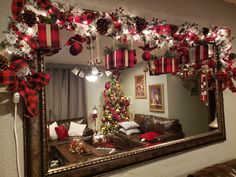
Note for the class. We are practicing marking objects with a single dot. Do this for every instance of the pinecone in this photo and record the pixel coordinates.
(3, 63)
(28, 17)
(102, 26)
(140, 24)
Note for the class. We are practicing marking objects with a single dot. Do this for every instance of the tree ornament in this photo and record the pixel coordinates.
(107, 85)
(76, 48)
(3, 63)
(28, 17)
(146, 55)
(140, 24)
(102, 25)
(117, 110)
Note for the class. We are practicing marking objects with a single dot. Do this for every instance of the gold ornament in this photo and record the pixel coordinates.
(145, 69)
(117, 110)
(98, 61)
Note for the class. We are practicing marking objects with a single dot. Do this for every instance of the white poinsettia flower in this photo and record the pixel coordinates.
(11, 37)
(77, 11)
(25, 47)
(32, 31)
(22, 27)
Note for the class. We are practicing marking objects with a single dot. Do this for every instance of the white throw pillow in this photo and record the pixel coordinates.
(129, 125)
(76, 129)
(52, 131)
(129, 131)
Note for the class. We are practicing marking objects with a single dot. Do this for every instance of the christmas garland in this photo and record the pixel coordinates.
(22, 37)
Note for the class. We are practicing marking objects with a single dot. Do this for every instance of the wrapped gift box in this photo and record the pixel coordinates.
(108, 61)
(119, 59)
(201, 54)
(163, 65)
(171, 65)
(48, 35)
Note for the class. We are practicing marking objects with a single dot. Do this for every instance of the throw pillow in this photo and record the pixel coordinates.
(52, 131)
(76, 129)
(129, 125)
(129, 131)
(149, 136)
(62, 132)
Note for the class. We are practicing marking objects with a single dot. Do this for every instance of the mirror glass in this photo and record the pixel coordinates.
(77, 129)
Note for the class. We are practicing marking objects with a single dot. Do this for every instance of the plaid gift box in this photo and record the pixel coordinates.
(132, 58)
(108, 61)
(120, 59)
(157, 66)
(171, 65)
(201, 54)
(48, 35)
(203, 95)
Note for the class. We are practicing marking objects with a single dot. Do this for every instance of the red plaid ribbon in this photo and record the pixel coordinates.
(45, 4)
(44, 37)
(75, 38)
(16, 7)
(203, 95)
(226, 80)
(28, 87)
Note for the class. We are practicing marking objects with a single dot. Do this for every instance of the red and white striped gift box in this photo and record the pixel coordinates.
(48, 35)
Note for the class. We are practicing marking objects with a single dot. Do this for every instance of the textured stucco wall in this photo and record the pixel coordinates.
(203, 12)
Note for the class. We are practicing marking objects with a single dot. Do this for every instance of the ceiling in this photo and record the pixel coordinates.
(65, 57)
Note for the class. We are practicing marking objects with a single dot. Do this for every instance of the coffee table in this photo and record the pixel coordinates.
(63, 149)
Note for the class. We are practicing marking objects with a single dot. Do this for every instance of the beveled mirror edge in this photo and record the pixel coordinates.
(37, 149)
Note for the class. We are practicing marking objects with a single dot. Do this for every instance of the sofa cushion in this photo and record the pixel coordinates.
(129, 125)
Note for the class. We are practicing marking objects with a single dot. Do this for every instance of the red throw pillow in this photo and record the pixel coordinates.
(62, 132)
(149, 136)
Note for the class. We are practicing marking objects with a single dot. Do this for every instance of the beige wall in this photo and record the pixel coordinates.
(94, 97)
(141, 106)
(191, 112)
(203, 12)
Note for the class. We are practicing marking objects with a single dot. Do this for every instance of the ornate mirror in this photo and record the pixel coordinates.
(123, 89)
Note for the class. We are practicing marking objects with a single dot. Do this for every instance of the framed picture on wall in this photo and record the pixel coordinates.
(140, 86)
(156, 98)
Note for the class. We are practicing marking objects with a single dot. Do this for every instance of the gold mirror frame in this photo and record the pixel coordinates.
(35, 135)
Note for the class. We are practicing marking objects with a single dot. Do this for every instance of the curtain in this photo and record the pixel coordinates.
(65, 95)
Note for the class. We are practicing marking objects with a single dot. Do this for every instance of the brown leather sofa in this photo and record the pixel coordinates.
(226, 169)
(170, 129)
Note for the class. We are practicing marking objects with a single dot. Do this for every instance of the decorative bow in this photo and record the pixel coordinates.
(27, 85)
(16, 7)
(226, 80)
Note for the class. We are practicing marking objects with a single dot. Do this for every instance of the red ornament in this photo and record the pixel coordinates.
(107, 85)
(76, 48)
(117, 25)
(146, 55)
